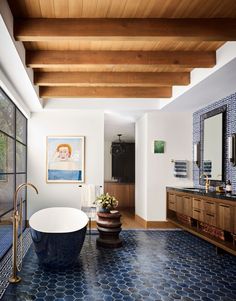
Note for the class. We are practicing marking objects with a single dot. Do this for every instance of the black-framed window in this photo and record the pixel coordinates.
(13, 155)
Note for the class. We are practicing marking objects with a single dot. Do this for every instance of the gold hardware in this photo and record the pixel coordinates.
(17, 217)
(207, 184)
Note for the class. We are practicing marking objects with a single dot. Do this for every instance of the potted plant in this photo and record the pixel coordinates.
(106, 202)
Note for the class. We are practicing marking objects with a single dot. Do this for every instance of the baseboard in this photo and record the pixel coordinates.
(141, 221)
(154, 224)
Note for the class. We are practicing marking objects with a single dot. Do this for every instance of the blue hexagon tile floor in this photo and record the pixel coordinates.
(152, 265)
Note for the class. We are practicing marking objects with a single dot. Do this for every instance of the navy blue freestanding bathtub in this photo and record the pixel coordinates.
(58, 235)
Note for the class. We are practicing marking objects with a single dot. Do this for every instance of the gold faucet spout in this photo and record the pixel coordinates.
(207, 184)
(16, 217)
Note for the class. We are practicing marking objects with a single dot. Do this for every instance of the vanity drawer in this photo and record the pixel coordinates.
(198, 214)
(210, 207)
(172, 205)
(171, 197)
(210, 218)
(197, 203)
(187, 205)
(171, 202)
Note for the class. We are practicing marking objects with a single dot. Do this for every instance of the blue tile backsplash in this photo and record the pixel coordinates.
(230, 102)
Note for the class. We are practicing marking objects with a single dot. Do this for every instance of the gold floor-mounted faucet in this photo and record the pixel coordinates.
(17, 217)
(207, 184)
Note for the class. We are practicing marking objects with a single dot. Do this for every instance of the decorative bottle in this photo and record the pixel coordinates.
(228, 187)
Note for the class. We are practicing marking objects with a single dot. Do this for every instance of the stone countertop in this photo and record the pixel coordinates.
(202, 192)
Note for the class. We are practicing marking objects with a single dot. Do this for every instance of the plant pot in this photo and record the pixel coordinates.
(103, 210)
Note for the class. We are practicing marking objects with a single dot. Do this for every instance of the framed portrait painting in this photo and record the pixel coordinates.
(65, 159)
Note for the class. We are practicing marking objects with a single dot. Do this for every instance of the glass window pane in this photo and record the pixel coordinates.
(20, 179)
(5, 235)
(6, 155)
(20, 127)
(7, 114)
(20, 157)
(7, 193)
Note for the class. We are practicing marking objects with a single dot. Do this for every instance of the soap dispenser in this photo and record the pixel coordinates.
(228, 187)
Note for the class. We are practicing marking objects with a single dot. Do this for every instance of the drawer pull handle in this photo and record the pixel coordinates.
(210, 203)
(225, 206)
(196, 200)
(211, 215)
(196, 210)
(172, 203)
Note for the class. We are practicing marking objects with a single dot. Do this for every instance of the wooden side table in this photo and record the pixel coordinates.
(109, 227)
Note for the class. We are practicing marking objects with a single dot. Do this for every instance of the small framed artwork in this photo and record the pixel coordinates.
(65, 159)
(159, 147)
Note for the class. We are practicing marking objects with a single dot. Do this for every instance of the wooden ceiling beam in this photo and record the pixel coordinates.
(193, 29)
(104, 92)
(189, 59)
(114, 79)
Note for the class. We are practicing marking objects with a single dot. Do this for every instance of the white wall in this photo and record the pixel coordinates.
(81, 123)
(141, 167)
(107, 161)
(155, 171)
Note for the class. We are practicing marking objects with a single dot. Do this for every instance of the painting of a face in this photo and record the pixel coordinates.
(63, 153)
(65, 159)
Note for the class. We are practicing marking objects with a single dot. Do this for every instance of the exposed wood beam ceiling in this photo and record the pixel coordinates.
(29, 30)
(109, 79)
(107, 92)
(189, 59)
(103, 49)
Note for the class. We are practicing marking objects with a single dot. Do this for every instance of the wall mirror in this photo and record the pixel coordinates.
(213, 140)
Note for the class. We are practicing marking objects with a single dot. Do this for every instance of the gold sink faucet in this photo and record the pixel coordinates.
(17, 217)
(207, 184)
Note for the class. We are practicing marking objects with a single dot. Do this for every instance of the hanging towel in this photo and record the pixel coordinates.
(180, 169)
(88, 195)
(207, 167)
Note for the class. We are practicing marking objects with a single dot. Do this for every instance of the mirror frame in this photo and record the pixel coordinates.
(223, 110)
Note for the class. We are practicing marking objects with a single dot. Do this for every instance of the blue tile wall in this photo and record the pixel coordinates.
(230, 102)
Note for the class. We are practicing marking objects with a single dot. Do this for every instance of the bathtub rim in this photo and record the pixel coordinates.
(67, 227)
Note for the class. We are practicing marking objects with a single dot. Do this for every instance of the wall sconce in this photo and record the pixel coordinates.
(196, 153)
(232, 148)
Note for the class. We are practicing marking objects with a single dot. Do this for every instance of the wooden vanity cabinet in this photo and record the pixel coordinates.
(198, 214)
(204, 210)
(234, 219)
(172, 202)
(183, 204)
(209, 208)
(197, 211)
(123, 192)
(225, 217)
